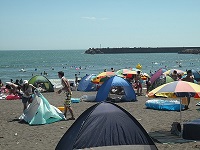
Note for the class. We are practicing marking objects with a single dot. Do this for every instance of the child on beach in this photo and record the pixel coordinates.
(67, 89)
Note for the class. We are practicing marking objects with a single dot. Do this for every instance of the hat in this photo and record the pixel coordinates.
(25, 82)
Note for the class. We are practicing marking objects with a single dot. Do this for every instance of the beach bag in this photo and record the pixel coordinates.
(176, 128)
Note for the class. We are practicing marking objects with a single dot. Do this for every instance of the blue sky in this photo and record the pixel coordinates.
(81, 24)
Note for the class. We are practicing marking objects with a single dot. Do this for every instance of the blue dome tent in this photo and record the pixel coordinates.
(196, 75)
(104, 90)
(106, 125)
(86, 85)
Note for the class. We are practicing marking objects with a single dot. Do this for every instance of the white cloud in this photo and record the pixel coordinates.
(89, 18)
(94, 18)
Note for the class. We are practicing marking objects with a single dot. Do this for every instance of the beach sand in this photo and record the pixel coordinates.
(15, 135)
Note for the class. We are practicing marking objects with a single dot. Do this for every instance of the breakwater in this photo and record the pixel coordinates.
(138, 50)
(190, 51)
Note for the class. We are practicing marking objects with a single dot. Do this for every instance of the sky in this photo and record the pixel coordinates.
(83, 24)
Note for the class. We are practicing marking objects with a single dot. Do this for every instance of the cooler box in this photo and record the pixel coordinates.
(191, 130)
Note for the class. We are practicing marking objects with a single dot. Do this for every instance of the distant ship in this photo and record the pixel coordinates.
(138, 50)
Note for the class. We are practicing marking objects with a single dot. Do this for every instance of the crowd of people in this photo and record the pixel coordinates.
(25, 90)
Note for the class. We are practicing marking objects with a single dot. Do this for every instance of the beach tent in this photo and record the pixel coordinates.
(160, 81)
(106, 124)
(104, 90)
(196, 75)
(43, 82)
(86, 85)
(41, 112)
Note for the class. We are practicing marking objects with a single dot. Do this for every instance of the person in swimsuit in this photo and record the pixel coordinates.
(67, 89)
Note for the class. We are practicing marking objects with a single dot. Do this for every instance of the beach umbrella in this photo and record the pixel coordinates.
(169, 72)
(146, 75)
(135, 69)
(176, 89)
(122, 71)
(157, 74)
(103, 76)
(197, 96)
(131, 73)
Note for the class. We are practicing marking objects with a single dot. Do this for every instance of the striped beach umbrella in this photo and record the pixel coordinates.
(122, 71)
(176, 89)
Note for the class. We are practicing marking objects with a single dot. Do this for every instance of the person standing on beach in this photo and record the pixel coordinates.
(138, 82)
(67, 89)
(188, 78)
(76, 80)
(27, 90)
(148, 84)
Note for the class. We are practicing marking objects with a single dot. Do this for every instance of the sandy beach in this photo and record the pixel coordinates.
(15, 135)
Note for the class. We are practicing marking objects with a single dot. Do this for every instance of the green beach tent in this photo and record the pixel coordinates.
(43, 82)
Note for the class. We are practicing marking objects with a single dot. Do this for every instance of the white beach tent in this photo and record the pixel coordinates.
(41, 112)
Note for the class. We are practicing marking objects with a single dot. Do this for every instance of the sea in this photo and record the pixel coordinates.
(23, 64)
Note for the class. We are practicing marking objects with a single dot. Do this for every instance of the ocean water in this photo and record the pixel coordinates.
(72, 62)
